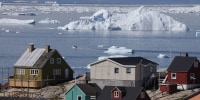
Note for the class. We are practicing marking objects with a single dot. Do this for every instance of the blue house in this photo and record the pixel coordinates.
(83, 92)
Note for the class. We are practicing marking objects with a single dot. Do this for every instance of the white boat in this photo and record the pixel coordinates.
(162, 56)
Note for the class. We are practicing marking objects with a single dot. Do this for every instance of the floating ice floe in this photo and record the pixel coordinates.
(49, 21)
(139, 19)
(162, 56)
(118, 50)
(105, 57)
(16, 21)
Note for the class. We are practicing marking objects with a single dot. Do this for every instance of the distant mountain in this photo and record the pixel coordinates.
(108, 1)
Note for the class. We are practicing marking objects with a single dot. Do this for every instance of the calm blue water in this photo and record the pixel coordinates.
(110, 1)
(148, 44)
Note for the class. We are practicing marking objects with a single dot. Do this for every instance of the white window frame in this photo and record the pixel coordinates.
(20, 71)
(56, 71)
(34, 71)
(58, 60)
(116, 70)
(172, 76)
(128, 70)
(79, 96)
(116, 94)
(192, 76)
(51, 60)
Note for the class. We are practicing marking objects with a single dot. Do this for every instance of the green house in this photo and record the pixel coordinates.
(39, 67)
(83, 92)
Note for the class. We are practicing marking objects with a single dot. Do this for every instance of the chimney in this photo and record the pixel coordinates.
(31, 47)
(47, 48)
(185, 54)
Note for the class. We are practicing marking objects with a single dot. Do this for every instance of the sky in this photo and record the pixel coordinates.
(112, 1)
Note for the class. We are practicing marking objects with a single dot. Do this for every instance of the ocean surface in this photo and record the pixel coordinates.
(15, 39)
(127, 2)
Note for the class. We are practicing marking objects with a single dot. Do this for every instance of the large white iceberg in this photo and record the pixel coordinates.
(139, 19)
(16, 21)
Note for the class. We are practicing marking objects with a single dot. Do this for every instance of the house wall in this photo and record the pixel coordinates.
(181, 77)
(106, 70)
(107, 82)
(48, 72)
(73, 94)
(27, 75)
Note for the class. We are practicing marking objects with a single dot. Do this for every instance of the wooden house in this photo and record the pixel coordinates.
(123, 71)
(184, 71)
(123, 93)
(38, 67)
(83, 92)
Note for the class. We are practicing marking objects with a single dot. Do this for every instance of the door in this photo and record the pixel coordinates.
(66, 73)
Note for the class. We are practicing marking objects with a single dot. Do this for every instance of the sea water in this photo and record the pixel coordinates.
(14, 40)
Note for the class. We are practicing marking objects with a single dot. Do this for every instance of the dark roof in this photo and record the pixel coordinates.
(181, 63)
(131, 92)
(132, 60)
(90, 89)
(192, 95)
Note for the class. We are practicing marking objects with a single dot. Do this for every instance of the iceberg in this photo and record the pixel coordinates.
(162, 56)
(118, 50)
(49, 21)
(16, 21)
(139, 19)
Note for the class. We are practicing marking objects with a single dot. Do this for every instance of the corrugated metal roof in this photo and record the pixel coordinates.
(28, 59)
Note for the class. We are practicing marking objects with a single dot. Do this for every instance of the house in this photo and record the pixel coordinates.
(123, 93)
(83, 92)
(184, 71)
(38, 67)
(123, 71)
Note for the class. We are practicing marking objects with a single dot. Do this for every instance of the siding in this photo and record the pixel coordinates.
(105, 70)
(73, 93)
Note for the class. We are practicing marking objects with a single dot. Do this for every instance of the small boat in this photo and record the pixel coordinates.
(74, 47)
(162, 56)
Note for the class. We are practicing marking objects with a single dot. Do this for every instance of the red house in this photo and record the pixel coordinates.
(184, 71)
(123, 93)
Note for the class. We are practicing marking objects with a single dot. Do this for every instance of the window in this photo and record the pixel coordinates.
(192, 76)
(116, 94)
(21, 71)
(128, 70)
(196, 64)
(51, 60)
(58, 60)
(151, 69)
(56, 71)
(173, 75)
(79, 98)
(34, 72)
(116, 70)
(142, 95)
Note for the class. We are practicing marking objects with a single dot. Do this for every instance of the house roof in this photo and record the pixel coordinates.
(35, 58)
(181, 63)
(131, 93)
(129, 61)
(29, 58)
(89, 89)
